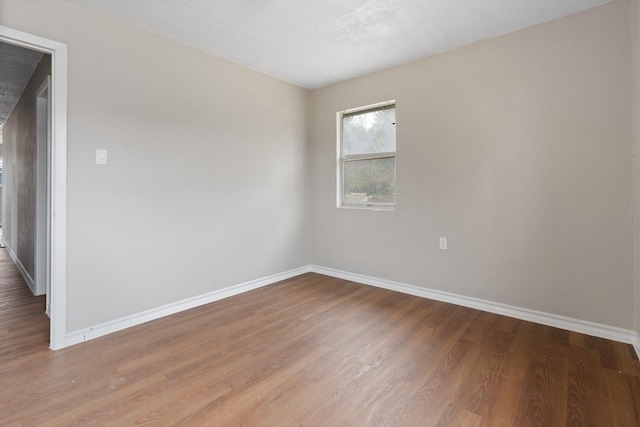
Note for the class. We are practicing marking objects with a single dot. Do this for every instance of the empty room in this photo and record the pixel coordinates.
(337, 213)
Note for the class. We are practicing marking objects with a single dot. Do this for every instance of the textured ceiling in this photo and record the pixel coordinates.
(314, 43)
(16, 66)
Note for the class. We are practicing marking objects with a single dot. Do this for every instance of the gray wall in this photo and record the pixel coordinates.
(518, 150)
(1, 146)
(19, 137)
(205, 183)
(1, 187)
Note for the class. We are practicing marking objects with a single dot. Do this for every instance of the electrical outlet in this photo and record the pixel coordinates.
(443, 243)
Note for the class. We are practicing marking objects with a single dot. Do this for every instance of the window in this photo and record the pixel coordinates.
(367, 156)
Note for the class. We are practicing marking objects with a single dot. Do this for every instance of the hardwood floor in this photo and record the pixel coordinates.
(313, 351)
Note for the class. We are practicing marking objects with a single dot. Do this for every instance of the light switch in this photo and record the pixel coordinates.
(101, 157)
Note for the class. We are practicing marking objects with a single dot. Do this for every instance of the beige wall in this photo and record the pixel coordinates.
(636, 150)
(19, 136)
(518, 150)
(205, 183)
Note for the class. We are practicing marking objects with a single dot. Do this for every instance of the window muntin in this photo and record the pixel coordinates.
(367, 157)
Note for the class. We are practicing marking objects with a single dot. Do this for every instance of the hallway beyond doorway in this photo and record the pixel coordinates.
(20, 310)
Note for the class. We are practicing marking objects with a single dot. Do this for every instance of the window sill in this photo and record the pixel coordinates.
(368, 207)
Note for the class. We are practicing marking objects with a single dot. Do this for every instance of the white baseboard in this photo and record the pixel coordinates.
(589, 328)
(25, 275)
(626, 336)
(166, 310)
(636, 343)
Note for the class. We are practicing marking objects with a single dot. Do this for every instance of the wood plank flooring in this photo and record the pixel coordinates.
(312, 351)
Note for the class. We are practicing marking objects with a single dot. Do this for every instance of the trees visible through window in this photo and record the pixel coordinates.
(367, 163)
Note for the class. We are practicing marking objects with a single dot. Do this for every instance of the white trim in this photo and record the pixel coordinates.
(43, 147)
(575, 325)
(58, 52)
(377, 105)
(636, 343)
(582, 326)
(339, 168)
(23, 271)
(169, 309)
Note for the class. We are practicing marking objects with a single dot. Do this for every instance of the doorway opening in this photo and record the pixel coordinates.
(51, 101)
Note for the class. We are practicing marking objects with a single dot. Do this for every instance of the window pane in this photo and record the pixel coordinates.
(369, 132)
(370, 181)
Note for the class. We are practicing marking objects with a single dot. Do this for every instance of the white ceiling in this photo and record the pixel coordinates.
(314, 43)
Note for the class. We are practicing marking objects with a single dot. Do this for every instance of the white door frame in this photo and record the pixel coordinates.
(43, 143)
(58, 174)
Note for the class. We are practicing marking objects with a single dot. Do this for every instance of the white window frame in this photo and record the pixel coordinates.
(342, 158)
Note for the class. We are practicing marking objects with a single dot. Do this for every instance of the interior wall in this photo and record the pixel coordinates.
(204, 187)
(1, 197)
(635, 4)
(19, 137)
(517, 149)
